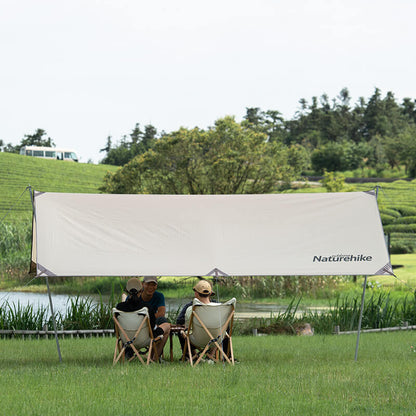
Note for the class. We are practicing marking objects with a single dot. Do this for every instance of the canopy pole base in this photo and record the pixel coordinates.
(53, 320)
(360, 318)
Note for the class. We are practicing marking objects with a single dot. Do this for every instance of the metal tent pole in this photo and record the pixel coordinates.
(362, 305)
(53, 320)
(47, 285)
(360, 318)
(216, 279)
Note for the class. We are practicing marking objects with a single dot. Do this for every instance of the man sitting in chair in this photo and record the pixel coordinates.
(133, 302)
(203, 292)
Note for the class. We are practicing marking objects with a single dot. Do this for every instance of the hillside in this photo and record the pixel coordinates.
(396, 200)
(17, 172)
(397, 205)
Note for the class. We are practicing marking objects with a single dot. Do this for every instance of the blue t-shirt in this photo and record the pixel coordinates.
(157, 300)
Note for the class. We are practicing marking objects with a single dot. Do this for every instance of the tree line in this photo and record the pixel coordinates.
(38, 138)
(264, 151)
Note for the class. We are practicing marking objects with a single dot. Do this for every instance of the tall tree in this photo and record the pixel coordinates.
(270, 122)
(37, 139)
(409, 109)
(227, 158)
(382, 116)
(126, 149)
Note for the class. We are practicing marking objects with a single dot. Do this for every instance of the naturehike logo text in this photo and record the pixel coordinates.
(342, 257)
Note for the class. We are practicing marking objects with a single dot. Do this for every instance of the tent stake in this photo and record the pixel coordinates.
(53, 320)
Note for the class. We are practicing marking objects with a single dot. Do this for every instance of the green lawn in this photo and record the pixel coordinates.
(277, 375)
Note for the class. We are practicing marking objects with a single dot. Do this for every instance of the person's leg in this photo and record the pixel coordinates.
(181, 337)
(226, 346)
(128, 353)
(161, 343)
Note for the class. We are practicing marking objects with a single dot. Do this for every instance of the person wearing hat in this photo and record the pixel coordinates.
(146, 294)
(149, 295)
(203, 292)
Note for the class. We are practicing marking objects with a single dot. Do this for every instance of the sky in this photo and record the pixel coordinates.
(83, 70)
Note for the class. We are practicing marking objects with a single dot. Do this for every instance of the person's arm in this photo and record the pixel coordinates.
(188, 314)
(160, 304)
(161, 310)
(180, 320)
(152, 319)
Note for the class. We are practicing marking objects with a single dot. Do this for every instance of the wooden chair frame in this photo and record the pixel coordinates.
(120, 347)
(213, 349)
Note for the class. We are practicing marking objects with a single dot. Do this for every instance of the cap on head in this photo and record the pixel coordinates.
(133, 283)
(203, 287)
(148, 279)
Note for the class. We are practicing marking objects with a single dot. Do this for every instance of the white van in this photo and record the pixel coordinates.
(50, 153)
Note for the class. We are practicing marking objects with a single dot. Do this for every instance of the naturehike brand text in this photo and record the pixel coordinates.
(342, 257)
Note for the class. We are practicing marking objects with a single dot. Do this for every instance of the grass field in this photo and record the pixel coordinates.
(277, 375)
(17, 172)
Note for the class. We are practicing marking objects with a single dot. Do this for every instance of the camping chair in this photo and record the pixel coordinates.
(209, 325)
(132, 329)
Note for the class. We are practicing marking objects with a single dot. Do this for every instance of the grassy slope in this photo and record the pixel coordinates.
(17, 172)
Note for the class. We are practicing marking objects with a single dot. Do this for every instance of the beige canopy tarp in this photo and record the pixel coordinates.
(181, 235)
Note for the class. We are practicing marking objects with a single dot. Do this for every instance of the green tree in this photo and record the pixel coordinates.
(340, 157)
(144, 141)
(299, 158)
(36, 139)
(409, 109)
(108, 145)
(334, 182)
(118, 155)
(127, 148)
(322, 121)
(328, 157)
(228, 158)
(403, 146)
(269, 122)
(382, 116)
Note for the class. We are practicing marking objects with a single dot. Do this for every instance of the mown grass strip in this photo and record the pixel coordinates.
(277, 375)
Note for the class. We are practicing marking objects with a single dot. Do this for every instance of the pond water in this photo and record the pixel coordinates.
(37, 300)
(60, 303)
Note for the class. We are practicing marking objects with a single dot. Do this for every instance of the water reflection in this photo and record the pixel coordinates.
(37, 300)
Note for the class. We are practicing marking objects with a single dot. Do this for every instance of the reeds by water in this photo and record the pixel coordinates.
(380, 311)
(81, 313)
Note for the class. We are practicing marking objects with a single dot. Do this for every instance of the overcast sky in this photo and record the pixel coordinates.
(84, 70)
